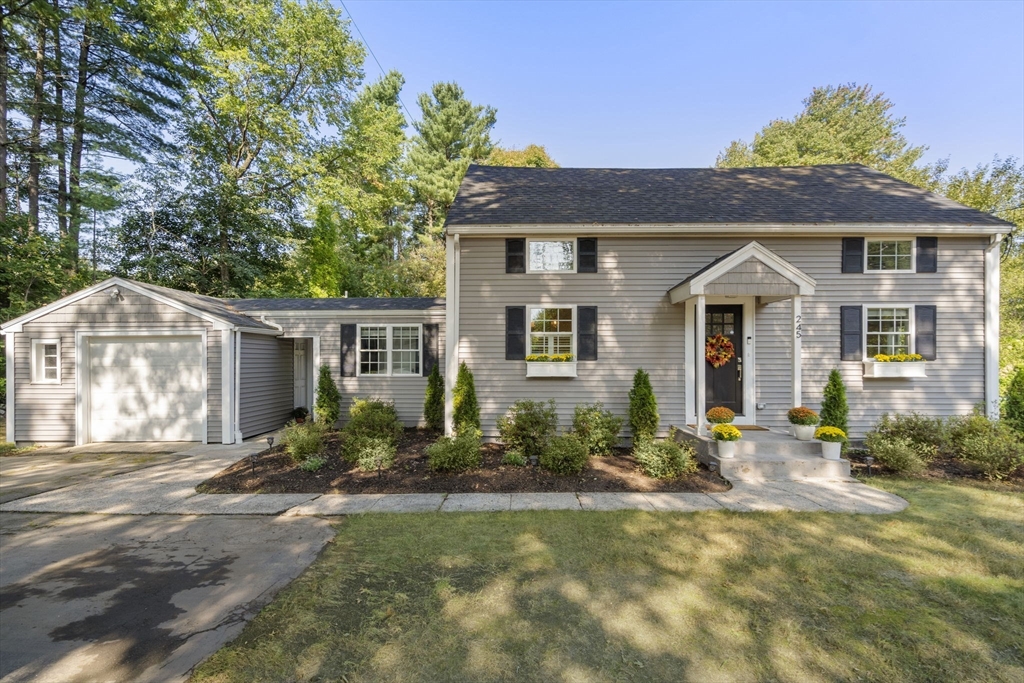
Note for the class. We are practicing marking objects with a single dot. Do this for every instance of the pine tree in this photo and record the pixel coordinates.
(467, 410)
(433, 404)
(643, 408)
(834, 410)
(327, 407)
(1013, 404)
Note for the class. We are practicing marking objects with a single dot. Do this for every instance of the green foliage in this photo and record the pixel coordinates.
(466, 413)
(998, 451)
(596, 427)
(312, 464)
(665, 459)
(527, 426)
(898, 453)
(532, 156)
(372, 453)
(1011, 319)
(564, 455)
(514, 458)
(303, 441)
(1013, 403)
(327, 405)
(455, 454)
(643, 408)
(927, 434)
(433, 403)
(997, 189)
(961, 428)
(834, 410)
(375, 418)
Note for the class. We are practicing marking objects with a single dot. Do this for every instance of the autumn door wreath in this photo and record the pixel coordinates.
(719, 350)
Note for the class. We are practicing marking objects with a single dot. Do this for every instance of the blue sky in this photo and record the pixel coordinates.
(670, 84)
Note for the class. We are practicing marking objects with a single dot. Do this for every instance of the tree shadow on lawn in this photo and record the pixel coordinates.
(931, 594)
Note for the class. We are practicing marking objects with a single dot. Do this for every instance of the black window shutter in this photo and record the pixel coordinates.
(515, 332)
(430, 355)
(586, 255)
(927, 254)
(853, 254)
(924, 331)
(586, 340)
(851, 322)
(349, 352)
(515, 255)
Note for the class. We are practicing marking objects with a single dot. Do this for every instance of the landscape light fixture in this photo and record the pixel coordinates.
(869, 460)
(252, 461)
(270, 442)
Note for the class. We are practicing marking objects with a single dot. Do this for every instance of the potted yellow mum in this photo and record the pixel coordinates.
(832, 439)
(726, 436)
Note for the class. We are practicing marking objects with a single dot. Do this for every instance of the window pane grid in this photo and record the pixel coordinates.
(551, 331)
(405, 354)
(50, 361)
(888, 331)
(373, 350)
(552, 256)
(890, 255)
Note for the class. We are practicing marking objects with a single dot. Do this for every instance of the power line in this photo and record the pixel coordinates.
(370, 50)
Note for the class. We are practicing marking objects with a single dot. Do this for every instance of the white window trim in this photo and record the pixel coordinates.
(529, 317)
(391, 347)
(575, 254)
(892, 238)
(864, 326)
(38, 376)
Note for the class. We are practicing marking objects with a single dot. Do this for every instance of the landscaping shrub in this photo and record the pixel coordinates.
(1013, 403)
(527, 426)
(303, 441)
(327, 405)
(565, 455)
(370, 418)
(514, 458)
(312, 464)
(596, 427)
(433, 403)
(720, 415)
(455, 454)
(998, 451)
(665, 459)
(643, 408)
(925, 433)
(372, 453)
(961, 428)
(898, 453)
(834, 410)
(466, 409)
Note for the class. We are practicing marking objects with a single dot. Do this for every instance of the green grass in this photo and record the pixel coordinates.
(935, 593)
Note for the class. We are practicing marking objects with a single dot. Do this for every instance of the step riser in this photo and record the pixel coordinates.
(740, 470)
(793, 447)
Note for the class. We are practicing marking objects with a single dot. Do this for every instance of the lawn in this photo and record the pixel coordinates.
(935, 593)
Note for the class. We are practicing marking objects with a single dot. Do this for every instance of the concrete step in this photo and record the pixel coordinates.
(782, 446)
(780, 468)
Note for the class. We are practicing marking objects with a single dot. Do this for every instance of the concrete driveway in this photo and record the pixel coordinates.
(137, 598)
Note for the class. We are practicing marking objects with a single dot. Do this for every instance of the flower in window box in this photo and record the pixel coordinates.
(726, 432)
(720, 415)
(899, 358)
(549, 358)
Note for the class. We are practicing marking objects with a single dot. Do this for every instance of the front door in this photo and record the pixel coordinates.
(724, 385)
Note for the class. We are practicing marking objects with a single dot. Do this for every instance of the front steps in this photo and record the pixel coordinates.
(769, 456)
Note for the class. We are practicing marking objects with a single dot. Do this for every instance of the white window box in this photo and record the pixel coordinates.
(550, 369)
(909, 369)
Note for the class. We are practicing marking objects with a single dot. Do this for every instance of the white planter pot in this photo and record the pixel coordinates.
(830, 450)
(551, 369)
(726, 449)
(804, 432)
(895, 370)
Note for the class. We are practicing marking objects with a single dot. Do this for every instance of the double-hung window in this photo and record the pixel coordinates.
(551, 256)
(889, 255)
(46, 361)
(889, 331)
(551, 331)
(390, 349)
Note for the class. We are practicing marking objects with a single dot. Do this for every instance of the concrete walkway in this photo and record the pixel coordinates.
(170, 489)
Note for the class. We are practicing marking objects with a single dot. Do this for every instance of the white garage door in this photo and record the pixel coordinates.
(146, 388)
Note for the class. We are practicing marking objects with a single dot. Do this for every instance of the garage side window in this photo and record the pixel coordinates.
(46, 361)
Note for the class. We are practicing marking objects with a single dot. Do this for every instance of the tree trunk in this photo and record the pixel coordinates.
(78, 139)
(35, 144)
(3, 116)
(58, 122)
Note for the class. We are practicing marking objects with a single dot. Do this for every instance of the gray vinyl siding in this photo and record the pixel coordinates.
(45, 413)
(638, 327)
(406, 392)
(266, 388)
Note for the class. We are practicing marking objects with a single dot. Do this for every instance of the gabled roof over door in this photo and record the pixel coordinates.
(751, 270)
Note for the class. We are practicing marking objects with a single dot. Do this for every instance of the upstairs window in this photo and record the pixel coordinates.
(890, 255)
(390, 349)
(46, 361)
(552, 256)
(888, 331)
(551, 331)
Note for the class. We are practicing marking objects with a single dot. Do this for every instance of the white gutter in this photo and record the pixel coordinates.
(237, 393)
(263, 319)
(9, 356)
(992, 254)
(451, 332)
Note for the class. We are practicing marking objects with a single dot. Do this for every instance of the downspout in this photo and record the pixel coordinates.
(451, 316)
(263, 319)
(238, 386)
(9, 354)
(992, 253)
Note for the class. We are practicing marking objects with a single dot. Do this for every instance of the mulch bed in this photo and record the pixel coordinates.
(276, 473)
(942, 468)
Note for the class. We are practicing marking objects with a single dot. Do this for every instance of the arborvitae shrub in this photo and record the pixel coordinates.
(466, 409)
(328, 398)
(643, 408)
(834, 410)
(433, 404)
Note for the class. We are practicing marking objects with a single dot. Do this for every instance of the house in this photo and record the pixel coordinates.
(793, 272)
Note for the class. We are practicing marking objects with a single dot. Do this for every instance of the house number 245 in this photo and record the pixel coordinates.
(799, 326)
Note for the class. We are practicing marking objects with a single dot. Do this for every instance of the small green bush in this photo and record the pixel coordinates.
(433, 402)
(960, 429)
(466, 410)
(527, 426)
(998, 452)
(372, 453)
(374, 417)
(327, 406)
(898, 453)
(1013, 403)
(312, 464)
(514, 458)
(565, 455)
(596, 427)
(303, 441)
(835, 412)
(643, 408)
(925, 433)
(665, 459)
(455, 454)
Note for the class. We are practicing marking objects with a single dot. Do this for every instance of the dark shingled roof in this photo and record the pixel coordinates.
(207, 304)
(347, 304)
(496, 195)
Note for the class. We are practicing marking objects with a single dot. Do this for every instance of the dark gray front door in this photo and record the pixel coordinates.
(724, 385)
